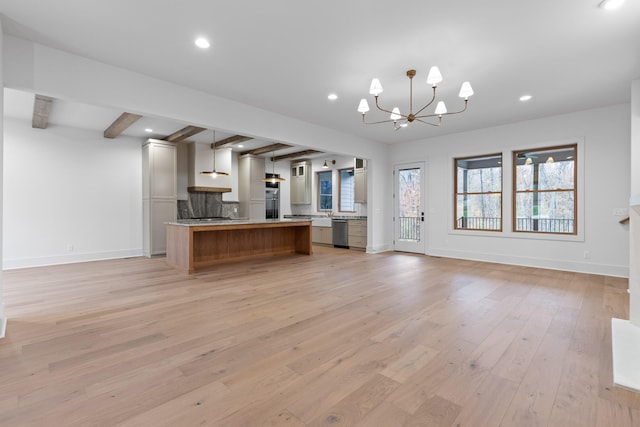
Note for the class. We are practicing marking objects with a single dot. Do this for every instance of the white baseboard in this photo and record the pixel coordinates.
(3, 318)
(377, 249)
(552, 264)
(10, 264)
(625, 343)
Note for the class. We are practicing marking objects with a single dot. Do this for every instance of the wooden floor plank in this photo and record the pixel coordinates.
(340, 337)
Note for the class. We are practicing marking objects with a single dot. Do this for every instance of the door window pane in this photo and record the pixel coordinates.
(409, 215)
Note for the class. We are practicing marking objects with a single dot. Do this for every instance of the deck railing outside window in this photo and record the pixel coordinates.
(478, 223)
(549, 225)
(409, 228)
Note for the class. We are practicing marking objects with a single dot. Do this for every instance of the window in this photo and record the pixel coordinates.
(545, 190)
(347, 190)
(325, 191)
(478, 183)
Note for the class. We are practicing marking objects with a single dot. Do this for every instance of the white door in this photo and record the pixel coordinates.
(409, 196)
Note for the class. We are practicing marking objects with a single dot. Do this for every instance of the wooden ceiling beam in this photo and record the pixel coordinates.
(183, 134)
(295, 155)
(232, 140)
(121, 124)
(267, 149)
(41, 110)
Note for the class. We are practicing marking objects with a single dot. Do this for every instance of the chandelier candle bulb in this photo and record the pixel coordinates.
(395, 114)
(465, 90)
(364, 106)
(376, 87)
(434, 76)
(441, 108)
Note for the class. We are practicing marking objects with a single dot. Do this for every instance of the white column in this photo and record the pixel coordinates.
(3, 319)
(634, 210)
(625, 334)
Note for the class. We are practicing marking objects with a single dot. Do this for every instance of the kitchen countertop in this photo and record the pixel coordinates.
(319, 216)
(217, 221)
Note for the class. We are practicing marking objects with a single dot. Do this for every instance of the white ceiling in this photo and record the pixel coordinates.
(288, 55)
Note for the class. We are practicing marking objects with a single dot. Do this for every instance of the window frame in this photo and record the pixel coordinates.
(320, 194)
(456, 193)
(352, 169)
(575, 190)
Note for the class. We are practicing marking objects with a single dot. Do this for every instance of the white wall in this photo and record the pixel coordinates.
(634, 247)
(69, 195)
(604, 136)
(3, 318)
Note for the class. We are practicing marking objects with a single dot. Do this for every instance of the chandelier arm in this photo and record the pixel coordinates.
(433, 98)
(387, 111)
(375, 123)
(429, 123)
(466, 102)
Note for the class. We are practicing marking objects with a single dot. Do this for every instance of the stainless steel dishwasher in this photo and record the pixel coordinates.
(340, 233)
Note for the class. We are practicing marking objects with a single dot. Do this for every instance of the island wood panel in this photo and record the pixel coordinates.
(192, 248)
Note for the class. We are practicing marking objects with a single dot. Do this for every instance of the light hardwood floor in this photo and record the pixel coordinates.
(338, 338)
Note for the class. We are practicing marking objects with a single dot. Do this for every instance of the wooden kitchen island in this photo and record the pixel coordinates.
(196, 245)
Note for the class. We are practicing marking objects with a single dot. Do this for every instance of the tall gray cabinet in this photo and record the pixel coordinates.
(159, 194)
(251, 190)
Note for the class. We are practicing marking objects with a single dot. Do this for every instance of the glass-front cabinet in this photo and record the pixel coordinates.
(301, 183)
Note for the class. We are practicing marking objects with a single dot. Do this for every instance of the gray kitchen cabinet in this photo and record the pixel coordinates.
(159, 194)
(251, 194)
(322, 235)
(358, 234)
(360, 181)
(301, 183)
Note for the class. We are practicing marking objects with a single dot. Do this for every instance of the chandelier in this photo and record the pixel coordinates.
(400, 120)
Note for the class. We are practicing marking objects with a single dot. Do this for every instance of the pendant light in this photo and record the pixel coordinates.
(273, 178)
(213, 173)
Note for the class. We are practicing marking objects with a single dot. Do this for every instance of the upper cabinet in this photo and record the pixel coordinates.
(360, 181)
(301, 183)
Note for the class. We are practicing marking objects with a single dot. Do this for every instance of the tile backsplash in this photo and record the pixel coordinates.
(204, 204)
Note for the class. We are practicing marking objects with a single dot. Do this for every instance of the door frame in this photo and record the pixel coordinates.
(420, 247)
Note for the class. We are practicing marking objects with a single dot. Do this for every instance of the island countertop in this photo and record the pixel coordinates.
(193, 245)
(221, 222)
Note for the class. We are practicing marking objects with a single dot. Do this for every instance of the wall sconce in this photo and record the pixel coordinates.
(326, 166)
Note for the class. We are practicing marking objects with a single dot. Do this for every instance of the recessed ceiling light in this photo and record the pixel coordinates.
(202, 43)
(148, 130)
(611, 4)
(240, 146)
(332, 96)
(525, 97)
